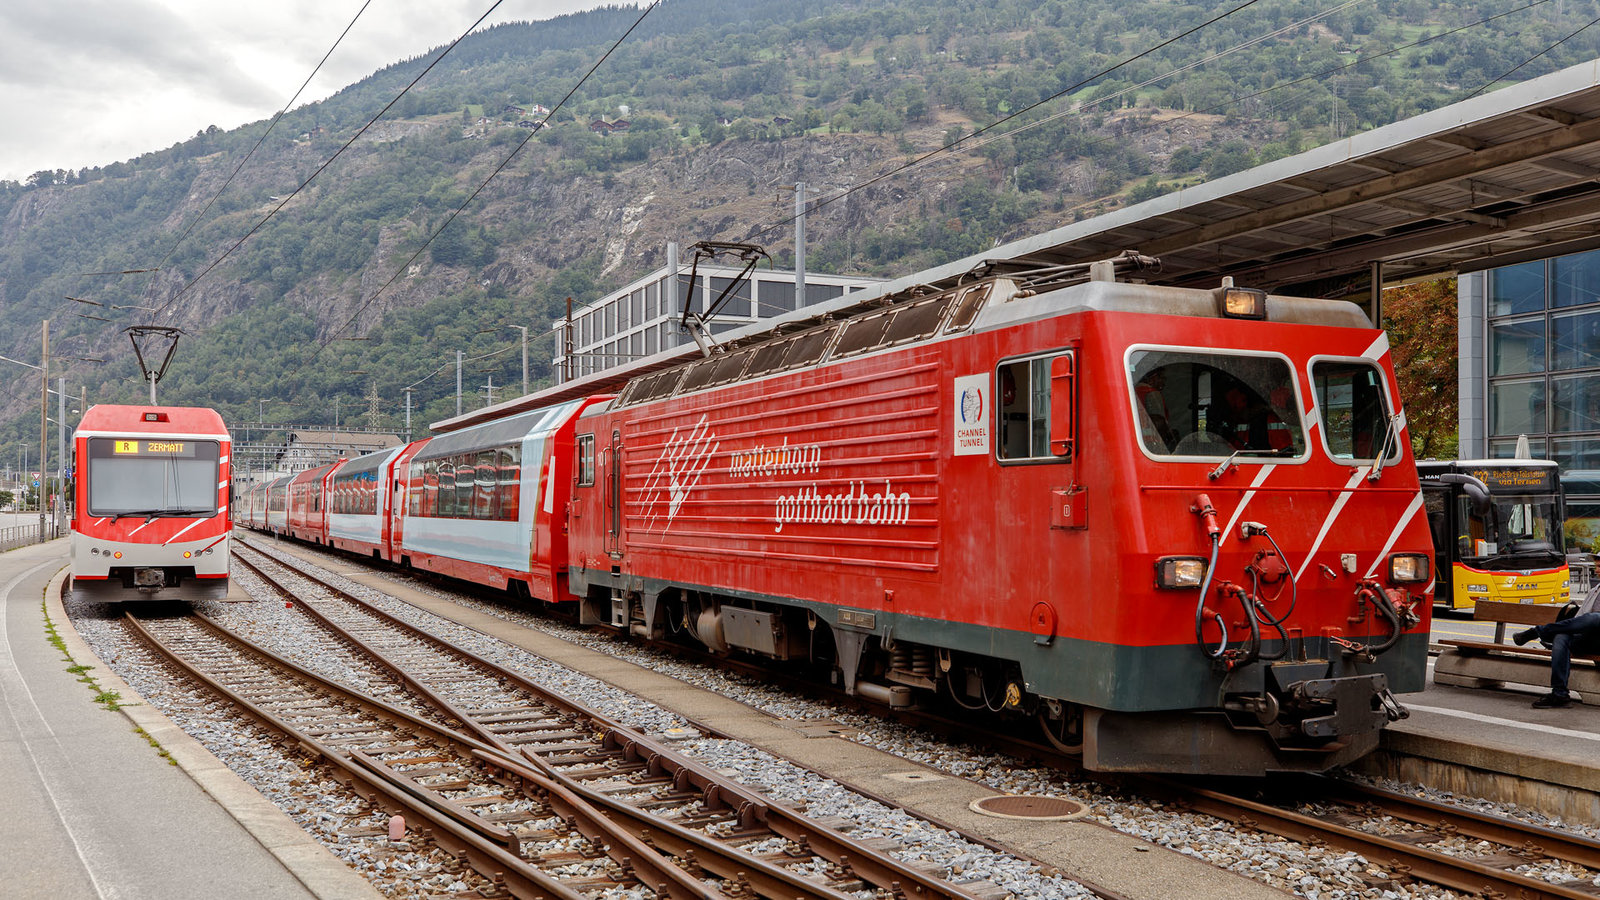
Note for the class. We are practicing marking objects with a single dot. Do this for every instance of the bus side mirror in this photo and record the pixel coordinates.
(1062, 379)
(1476, 491)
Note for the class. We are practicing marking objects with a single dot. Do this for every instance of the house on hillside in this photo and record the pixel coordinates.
(621, 125)
(514, 111)
(781, 120)
(539, 109)
(600, 126)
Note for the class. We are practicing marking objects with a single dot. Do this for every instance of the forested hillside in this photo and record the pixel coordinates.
(336, 297)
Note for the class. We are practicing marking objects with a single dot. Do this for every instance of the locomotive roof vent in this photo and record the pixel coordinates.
(1240, 303)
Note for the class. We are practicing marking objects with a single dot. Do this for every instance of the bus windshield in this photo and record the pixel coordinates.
(142, 477)
(1529, 530)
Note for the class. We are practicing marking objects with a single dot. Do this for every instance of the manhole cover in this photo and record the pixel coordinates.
(1030, 806)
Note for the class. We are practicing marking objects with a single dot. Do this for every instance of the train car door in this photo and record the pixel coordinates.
(613, 481)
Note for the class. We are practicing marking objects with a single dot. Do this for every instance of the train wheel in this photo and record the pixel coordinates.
(1062, 724)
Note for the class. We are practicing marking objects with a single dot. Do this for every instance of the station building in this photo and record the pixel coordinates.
(643, 319)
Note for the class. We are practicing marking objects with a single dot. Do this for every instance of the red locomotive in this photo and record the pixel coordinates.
(1180, 527)
(151, 514)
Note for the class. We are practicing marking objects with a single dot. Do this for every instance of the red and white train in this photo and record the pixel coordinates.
(1180, 527)
(150, 519)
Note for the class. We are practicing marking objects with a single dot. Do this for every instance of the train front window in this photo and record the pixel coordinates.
(1216, 405)
(1355, 411)
(142, 477)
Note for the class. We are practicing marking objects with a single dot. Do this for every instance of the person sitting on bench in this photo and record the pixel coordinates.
(1578, 634)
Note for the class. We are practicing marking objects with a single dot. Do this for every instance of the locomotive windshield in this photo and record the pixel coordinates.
(1215, 404)
(143, 477)
(1355, 412)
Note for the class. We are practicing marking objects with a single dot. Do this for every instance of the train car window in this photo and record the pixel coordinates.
(968, 303)
(1022, 402)
(486, 499)
(585, 460)
(466, 479)
(862, 334)
(510, 483)
(1354, 410)
(447, 489)
(1189, 403)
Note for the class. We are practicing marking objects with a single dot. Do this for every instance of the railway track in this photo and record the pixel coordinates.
(1408, 839)
(684, 816)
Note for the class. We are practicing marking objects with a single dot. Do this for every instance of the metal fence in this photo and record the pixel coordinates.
(21, 535)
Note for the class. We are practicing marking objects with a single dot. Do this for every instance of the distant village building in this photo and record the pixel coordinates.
(600, 126)
(539, 110)
(781, 120)
(514, 111)
(621, 125)
(308, 449)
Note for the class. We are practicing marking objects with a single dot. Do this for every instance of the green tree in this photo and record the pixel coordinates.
(1421, 321)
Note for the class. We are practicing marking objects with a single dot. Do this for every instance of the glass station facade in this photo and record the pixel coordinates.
(1530, 365)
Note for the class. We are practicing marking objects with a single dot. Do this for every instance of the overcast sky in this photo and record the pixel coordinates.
(92, 82)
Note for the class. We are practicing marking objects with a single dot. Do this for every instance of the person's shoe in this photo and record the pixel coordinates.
(1522, 637)
(1552, 701)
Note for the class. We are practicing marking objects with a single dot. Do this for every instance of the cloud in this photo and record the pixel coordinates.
(91, 82)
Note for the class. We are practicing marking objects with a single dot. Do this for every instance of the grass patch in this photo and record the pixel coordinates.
(111, 700)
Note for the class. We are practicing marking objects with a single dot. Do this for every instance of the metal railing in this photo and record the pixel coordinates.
(14, 536)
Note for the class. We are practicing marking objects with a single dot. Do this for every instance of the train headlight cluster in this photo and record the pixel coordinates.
(1409, 568)
(1175, 572)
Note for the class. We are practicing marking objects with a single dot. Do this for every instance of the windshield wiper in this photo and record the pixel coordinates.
(1391, 435)
(1226, 464)
(149, 514)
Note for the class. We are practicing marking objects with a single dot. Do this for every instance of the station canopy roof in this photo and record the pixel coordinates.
(1503, 177)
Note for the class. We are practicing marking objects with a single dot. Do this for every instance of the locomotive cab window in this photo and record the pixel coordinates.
(585, 460)
(1356, 422)
(1034, 404)
(1189, 403)
(142, 477)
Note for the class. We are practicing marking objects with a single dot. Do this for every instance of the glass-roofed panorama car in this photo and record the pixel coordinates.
(151, 515)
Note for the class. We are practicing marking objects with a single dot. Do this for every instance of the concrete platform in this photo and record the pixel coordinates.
(92, 809)
(1489, 742)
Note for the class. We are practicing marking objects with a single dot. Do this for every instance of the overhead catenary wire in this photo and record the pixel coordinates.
(497, 170)
(195, 220)
(1485, 86)
(949, 147)
(1231, 101)
(337, 153)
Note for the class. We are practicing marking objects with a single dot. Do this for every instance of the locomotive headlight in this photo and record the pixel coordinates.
(1243, 303)
(1176, 572)
(117, 554)
(1409, 568)
(187, 554)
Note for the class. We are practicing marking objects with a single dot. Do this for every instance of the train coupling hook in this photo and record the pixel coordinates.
(1391, 707)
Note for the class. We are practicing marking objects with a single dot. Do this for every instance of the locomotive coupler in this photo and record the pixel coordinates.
(149, 580)
(1392, 707)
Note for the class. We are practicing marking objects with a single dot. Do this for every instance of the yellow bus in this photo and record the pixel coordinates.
(1497, 531)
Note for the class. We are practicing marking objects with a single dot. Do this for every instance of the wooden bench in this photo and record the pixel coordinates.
(1493, 664)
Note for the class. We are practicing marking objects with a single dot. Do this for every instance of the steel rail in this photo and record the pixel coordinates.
(1405, 859)
(718, 791)
(1519, 836)
(491, 849)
